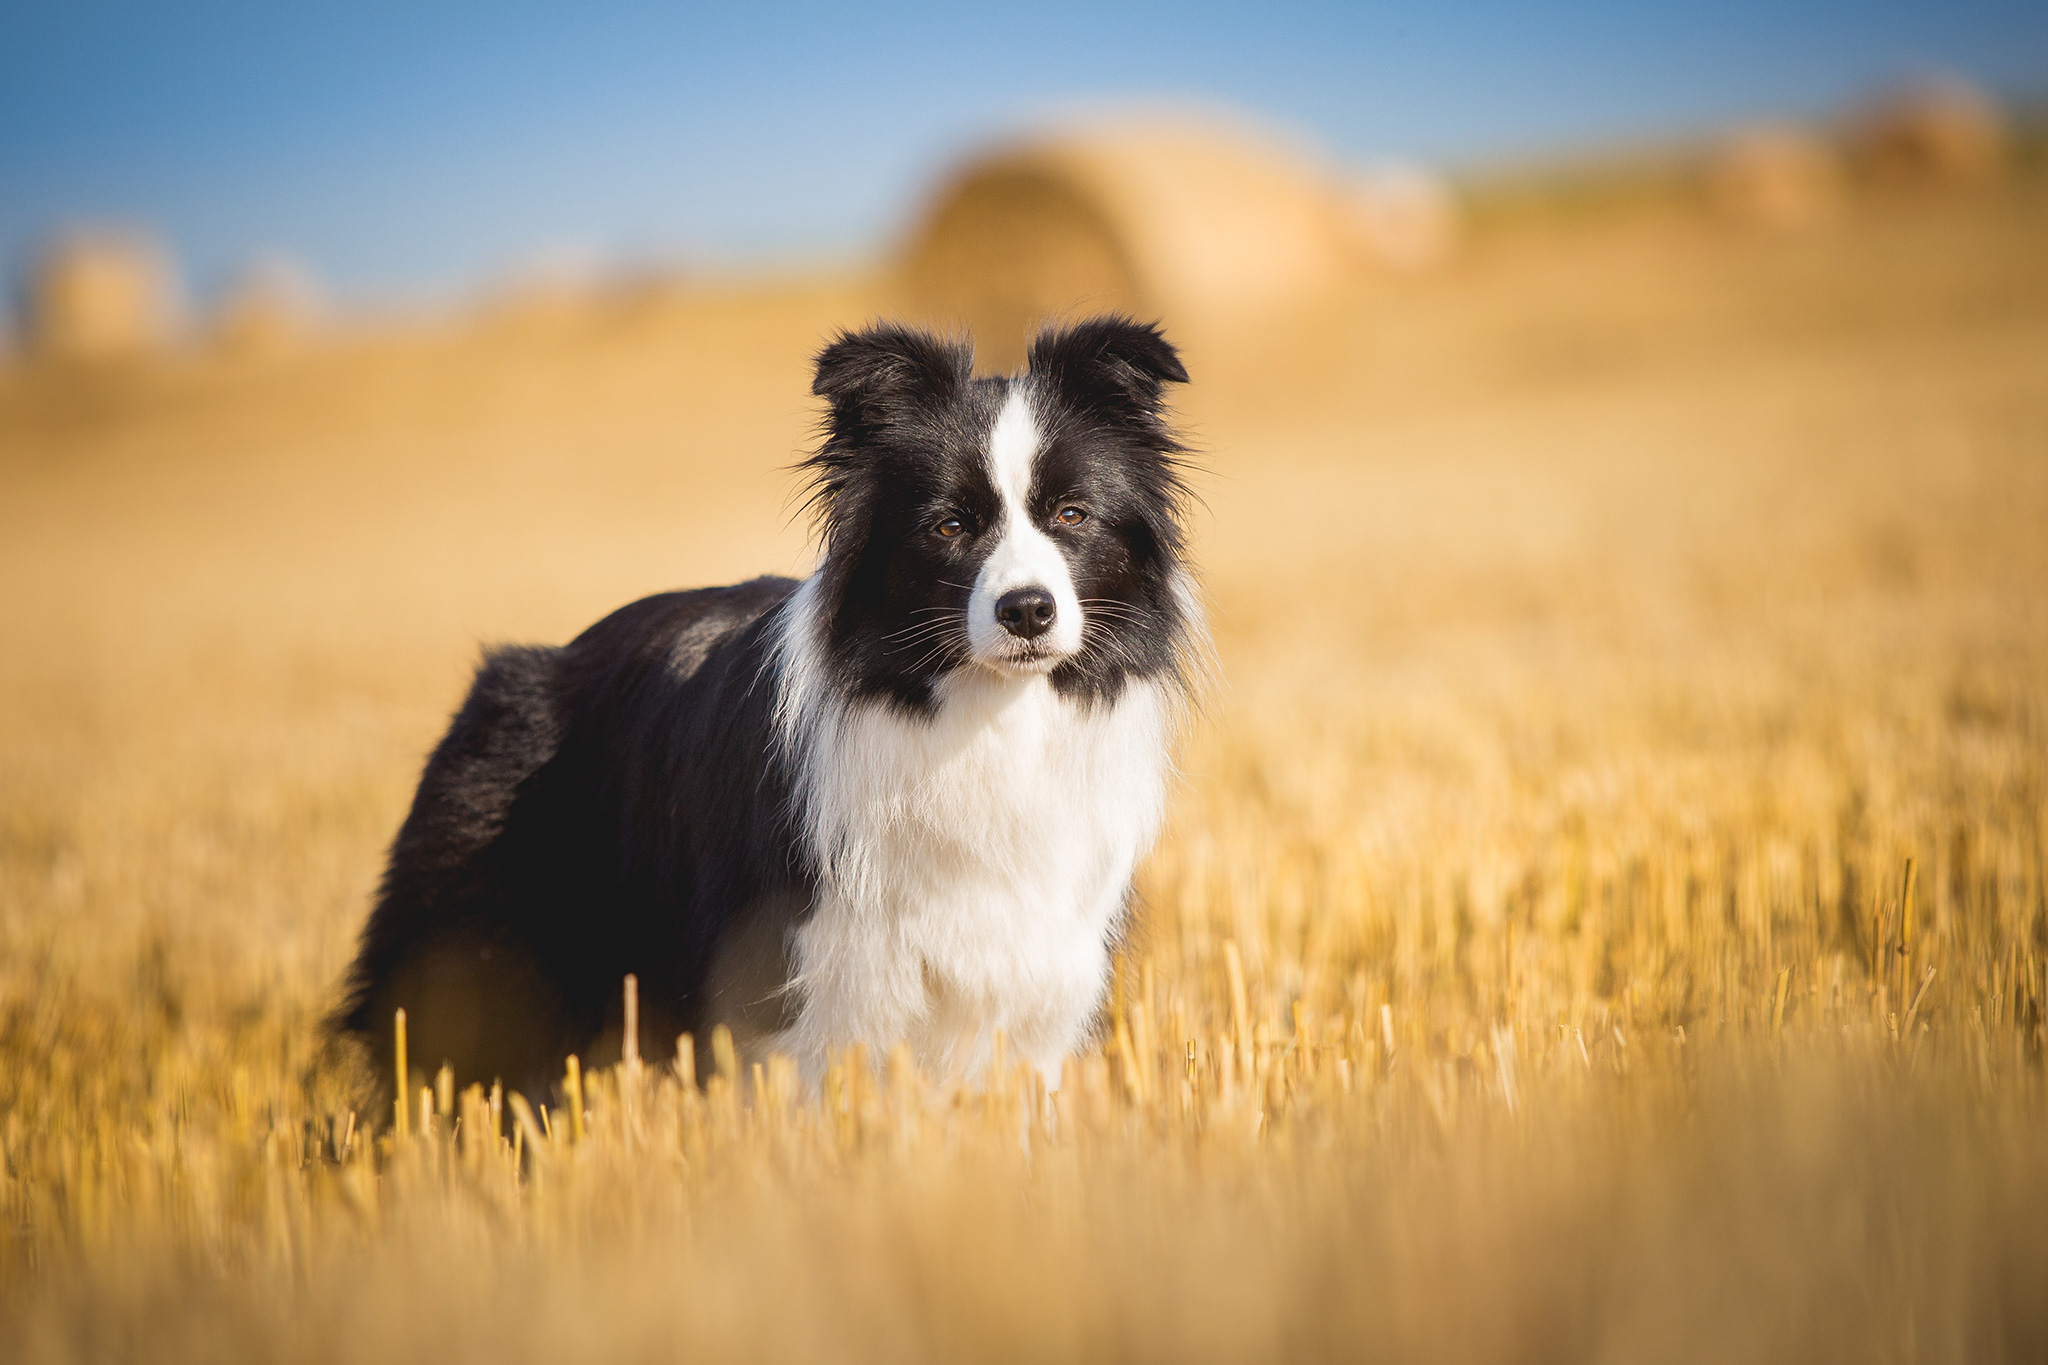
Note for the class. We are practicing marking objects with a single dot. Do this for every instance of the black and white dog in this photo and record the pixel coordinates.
(901, 800)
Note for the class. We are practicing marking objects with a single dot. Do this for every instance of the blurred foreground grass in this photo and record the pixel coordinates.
(1532, 970)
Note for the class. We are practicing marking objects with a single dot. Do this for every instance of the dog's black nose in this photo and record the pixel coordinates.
(1025, 612)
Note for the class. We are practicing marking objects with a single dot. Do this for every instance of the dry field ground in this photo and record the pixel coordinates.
(1532, 969)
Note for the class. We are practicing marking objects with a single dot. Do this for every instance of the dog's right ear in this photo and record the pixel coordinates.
(884, 374)
(884, 379)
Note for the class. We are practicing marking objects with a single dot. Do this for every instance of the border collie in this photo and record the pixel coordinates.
(901, 800)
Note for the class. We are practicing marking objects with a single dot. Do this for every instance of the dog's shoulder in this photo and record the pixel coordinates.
(676, 629)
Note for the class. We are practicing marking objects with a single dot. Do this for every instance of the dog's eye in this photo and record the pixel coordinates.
(949, 528)
(1071, 516)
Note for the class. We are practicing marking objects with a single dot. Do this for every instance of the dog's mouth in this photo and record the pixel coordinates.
(1007, 655)
(1019, 658)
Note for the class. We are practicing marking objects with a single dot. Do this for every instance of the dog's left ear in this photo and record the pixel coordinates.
(1109, 364)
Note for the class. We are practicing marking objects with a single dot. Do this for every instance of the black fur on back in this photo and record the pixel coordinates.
(606, 807)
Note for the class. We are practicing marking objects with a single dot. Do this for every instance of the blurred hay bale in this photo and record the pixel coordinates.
(1775, 176)
(275, 305)
(582, 304)
(1404, 217)
(101, 295)
(1198, 225)
(1940, 134)
(549, 291)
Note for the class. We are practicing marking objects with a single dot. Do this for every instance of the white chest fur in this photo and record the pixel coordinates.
(974, 866)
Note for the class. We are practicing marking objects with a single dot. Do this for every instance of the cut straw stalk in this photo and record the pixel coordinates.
(1913, 1010)
(573, 1085)
(398, 1047)
(629, 1061)
(630, 1050)
(1504, 1062)
(1240, 1003)
(527, 1131)
(1133, 1081)
(1907, 884)
(725, 1055)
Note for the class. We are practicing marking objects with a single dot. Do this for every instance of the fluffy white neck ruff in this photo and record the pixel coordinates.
(973, 866)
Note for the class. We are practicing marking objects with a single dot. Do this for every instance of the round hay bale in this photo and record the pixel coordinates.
(99, 295)
(1403, 217)
(547, 291)
(1775, 176)
(1198, 226)
(275, 305)
(1938, 134)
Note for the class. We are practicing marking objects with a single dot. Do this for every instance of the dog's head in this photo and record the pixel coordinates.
(1023, 525)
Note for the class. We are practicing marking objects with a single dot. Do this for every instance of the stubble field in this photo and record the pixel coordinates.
(1603, 915)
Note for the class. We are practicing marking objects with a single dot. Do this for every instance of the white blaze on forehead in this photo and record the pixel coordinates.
(1024, 555)
(1013, 450)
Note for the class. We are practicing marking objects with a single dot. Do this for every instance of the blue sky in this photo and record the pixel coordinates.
(414, 151)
